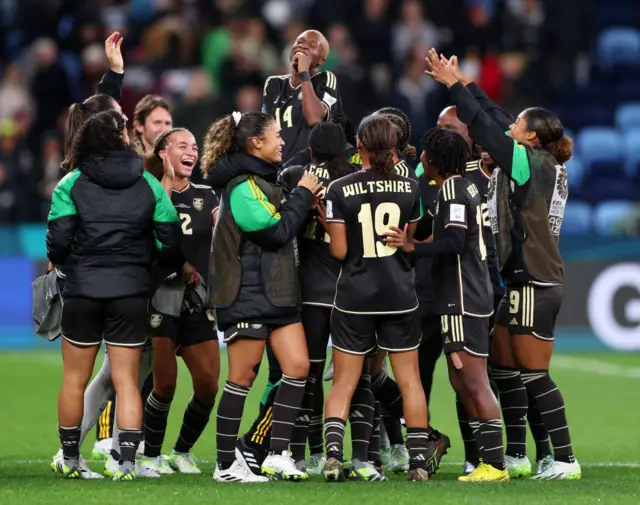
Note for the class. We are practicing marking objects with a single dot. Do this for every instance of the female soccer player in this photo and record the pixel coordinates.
(464, 303)
(375, 296)
(254, 286)
(104, 220)
(527, 197)
(174, 155)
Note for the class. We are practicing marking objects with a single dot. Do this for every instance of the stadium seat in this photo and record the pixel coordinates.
(628, 116)
(599, 145)
(577, 218)
(608, 216)
(632, 152)
(575, 169)
(619, 45)
(601, 186)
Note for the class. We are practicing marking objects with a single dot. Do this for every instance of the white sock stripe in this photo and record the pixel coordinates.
(285, 406)
(230, 418)
(550, 391)
(502, 393)
(550, 411)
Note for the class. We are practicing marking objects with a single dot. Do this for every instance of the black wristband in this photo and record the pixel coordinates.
(305, 76)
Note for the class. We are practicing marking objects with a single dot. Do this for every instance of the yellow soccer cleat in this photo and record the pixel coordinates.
(485, 473)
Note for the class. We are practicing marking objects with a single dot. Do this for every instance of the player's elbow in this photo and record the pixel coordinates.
(338, 251)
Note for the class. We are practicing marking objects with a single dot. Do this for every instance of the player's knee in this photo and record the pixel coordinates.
(243, 378)
(297, 367)
(206, 389)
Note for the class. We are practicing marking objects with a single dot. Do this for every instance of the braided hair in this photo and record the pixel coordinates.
(378, 137)
(152, 160)
(446, 150)
(403, 129)
(327, 142)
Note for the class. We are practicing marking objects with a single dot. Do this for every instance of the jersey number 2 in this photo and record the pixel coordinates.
(286, 121)
(186, 221)
(387, 214)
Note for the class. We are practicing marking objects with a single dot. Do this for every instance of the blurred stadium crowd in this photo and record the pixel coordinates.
(210, 57)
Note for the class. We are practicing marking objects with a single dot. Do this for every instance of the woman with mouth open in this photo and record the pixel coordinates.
(172, 160)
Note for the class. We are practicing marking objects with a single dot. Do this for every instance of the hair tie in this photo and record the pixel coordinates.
(237, 116)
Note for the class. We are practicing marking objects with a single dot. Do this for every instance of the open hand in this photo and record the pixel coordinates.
(168, 170)
(452, 63)
(438, 70)
(112, 48)
(396, 237)
(312, 183)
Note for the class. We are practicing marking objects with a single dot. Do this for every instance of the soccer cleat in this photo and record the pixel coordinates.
(517, 467)
(397, 459)
(315, 464)
(417, 475)
(560, 470)
(365, 471)
(125, 475)
(333, 470)
(86, 473)
(468, 468)
(183, 462)
(328, 374)
(111, 466)
(252, 457)
(443, 443)
(282, 467)
(101, 449)
(158, 465)
(238, 472)
(543, 464)
(485, 473)
(140, 451)
(59, 465)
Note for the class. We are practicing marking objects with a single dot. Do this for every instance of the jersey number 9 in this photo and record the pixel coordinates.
(387, 214)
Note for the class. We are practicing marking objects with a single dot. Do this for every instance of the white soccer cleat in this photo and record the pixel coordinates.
(517, 467)
(159, 465)
(183, 462)
(543, 464)
(561, 471)
(140, 451)
(315, 464)
(101, 449)
(111, 467)
(86, 472)
(397, 459)
(282, 467)
(468, 468)
(238, 472)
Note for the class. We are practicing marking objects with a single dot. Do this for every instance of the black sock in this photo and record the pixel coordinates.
(551, 404)
(492, 450)
(393, 427)
(334, 435)
(156, 414)
(361, 415)
(70, 440)
(471, 453)
(259, 435)
(417, 440)
(514, 404)
(229, 417)
(196, 417)
(374, 444)
(300, 430)
(474, 424)
(285, 411)
(386, 391)
(104, 426)
(316, 441)
(538, 430)
(129, 442)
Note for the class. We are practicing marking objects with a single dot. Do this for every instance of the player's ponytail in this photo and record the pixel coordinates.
(550, 132)
(77, 116)
(327, 142)
(232, 133)
(561, 149)
(378, 137)
(403, 130)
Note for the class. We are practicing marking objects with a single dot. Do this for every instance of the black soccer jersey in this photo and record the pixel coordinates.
(318, 269)
(284, 103)
(424, 265)
(405, 169)
(375, 278)
(195, 205)
(481, 180)
(462, 280)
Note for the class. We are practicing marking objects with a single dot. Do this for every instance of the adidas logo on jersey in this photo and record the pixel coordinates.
(514, 322)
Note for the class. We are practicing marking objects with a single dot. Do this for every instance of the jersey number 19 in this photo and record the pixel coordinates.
(387, 214)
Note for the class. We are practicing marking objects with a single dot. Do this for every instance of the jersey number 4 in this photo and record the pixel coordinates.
(387, 214)
(286, 121)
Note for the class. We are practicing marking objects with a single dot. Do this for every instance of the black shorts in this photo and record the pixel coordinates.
(316, 321)
(363, 333)
(186, 330)
(526, 309)
(248, 330)
(464, 333)
(118, 321)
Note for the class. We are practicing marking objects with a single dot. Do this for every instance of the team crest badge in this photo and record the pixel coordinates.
(155, 320)
(198, 203)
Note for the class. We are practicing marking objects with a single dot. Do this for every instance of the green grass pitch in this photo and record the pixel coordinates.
(601, 391)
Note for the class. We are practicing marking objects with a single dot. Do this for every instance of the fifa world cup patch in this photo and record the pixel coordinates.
(329, 209)
(457, 213)
(329, 100)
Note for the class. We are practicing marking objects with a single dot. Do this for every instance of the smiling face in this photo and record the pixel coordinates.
(182, 150)
(448, 120)
(520, 133)
(269, 145)
(313, 44)
(158, 121)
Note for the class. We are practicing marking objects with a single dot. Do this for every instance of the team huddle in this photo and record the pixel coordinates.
(306, 228)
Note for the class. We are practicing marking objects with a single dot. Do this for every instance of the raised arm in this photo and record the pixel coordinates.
(111, 82)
